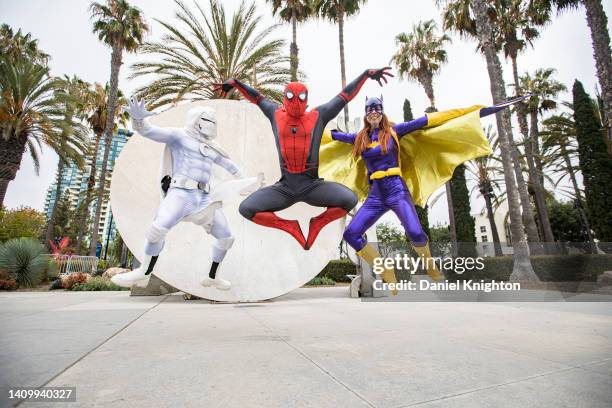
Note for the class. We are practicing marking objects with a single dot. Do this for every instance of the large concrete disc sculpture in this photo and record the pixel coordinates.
(264, 262)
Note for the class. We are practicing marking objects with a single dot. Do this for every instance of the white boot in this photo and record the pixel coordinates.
(137, 277)
(218, 283)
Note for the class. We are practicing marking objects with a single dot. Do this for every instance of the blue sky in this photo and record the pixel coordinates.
(64, 31)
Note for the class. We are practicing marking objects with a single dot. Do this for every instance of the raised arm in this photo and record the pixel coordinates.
(402, 129)
(139, 116)
(438, 118)
(250, 94)
(343, 137)
(332, 108)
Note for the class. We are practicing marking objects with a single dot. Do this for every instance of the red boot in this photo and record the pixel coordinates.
(317, 223)
(269, 219)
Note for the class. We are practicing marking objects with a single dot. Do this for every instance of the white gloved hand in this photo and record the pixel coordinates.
(136, 109)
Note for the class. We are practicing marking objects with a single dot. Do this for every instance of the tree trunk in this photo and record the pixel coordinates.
(522, 269)
(342, 64)
(294, 48)
(427, 83)
(528, 218)
(3, 187)
(491, 217)
(49, 236)
(451, 218)
(537, 187)
(124, 254)
(11, 153)
(598, 24)
(91, 183)
(108, 139)
(579, 200)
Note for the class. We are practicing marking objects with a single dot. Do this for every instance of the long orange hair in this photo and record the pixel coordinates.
(362, 139)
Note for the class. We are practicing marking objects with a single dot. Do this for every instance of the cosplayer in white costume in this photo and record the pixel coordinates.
(193, 153)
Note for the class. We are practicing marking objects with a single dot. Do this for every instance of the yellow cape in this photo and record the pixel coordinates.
(428, 156)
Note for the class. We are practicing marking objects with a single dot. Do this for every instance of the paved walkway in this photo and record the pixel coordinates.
(312, 348)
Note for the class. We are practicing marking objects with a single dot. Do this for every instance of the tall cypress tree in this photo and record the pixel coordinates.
(464, 222)
(595, 164)
(423, 213)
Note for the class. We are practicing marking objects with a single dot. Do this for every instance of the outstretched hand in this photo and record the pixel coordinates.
(224, 89)
(380, 74)
(136, 109)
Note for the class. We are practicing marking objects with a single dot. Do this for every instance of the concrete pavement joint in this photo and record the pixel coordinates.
(99, 345)
(499, 385)
(304, 355)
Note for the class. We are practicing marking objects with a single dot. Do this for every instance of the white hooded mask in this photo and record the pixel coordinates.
(201, 123)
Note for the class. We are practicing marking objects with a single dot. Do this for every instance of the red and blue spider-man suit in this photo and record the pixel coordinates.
(298, 137)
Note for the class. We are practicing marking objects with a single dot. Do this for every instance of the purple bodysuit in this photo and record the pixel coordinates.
(391, 192)
(388, 193)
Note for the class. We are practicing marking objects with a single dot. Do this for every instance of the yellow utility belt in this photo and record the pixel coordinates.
(393, 171)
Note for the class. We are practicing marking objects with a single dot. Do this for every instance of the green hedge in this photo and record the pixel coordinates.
(337, 270)
(97, 283)
(321, 281)
(549, 268)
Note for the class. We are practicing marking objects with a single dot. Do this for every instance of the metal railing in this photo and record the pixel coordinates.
(67, 264)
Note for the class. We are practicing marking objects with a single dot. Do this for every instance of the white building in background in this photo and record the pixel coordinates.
(74, 183)
(484, 234)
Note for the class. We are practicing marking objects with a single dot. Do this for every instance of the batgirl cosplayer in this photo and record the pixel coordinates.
(394, 167)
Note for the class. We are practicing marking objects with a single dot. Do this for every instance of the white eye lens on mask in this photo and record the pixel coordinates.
(302, 96)
(289, 95)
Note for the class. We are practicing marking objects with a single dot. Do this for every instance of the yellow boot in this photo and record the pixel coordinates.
(430, 264)
(368, 253)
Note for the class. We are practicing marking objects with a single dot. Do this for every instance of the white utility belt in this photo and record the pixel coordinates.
(189, 184)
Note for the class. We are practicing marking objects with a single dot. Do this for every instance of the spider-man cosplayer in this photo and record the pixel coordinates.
(390, 157)
(298, 133)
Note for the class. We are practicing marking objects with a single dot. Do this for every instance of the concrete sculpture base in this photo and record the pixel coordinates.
(263, 263)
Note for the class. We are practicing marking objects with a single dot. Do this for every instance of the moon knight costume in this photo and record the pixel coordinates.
(190, 155)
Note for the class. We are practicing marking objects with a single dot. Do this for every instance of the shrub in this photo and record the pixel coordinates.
(69, 281)
(549, 268)
(324, 281)
(56, 284)
(8, 284)
(21, 259)
(97, 283)
(336, 270)
(102, 266)
(53, 269)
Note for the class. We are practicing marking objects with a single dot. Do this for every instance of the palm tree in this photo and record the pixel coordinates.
(516, 26)
(459, 16)
(31, 113)
(337, 11)
(544, 89)
(419, 58)
(482, 26)
(121, 27)
(187, 63)
(292, 11)
(600, 37)
(18, 45)
(560, 149)
(486, 172)
(73, 90)
(96, 104)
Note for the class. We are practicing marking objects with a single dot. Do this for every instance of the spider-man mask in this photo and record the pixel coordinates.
(295, 98)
